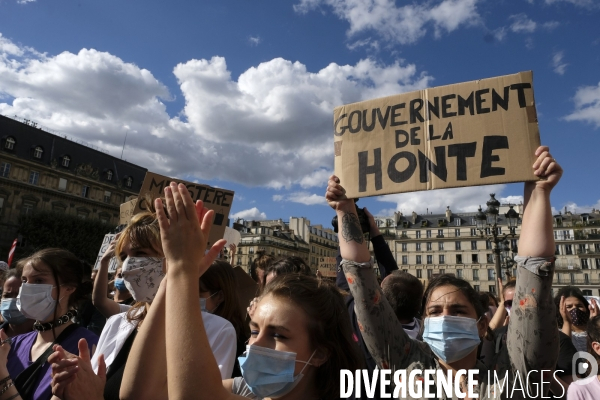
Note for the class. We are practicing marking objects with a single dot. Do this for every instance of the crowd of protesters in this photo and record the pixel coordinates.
(170, 324)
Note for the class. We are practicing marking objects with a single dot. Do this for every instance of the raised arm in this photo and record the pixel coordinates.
(192, 372)
(106, 306)
(532, 332)
(500, 316)
(381, 330)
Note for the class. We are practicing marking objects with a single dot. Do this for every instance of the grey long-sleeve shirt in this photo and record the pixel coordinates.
(532, 339)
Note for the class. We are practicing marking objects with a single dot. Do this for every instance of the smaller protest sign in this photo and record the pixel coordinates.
(328, 267)
(112, 266)
(216, 199)
(127, 211)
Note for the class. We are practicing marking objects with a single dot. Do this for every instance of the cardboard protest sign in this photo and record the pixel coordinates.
(215, 199)
(112, 266)
(127, 209)
(247, 289)
(328, 266)
(475, 133)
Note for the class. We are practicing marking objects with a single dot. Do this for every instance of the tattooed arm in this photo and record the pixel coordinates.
(387, 342)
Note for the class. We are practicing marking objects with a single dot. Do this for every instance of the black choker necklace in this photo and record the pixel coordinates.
(41, 327)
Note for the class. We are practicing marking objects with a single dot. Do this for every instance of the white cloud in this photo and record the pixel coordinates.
(252, 214)
(8, 48)
(557, 63)
(402, 24)
(317, 178)
(511, 199)
(522, 24)
(270, 127)
(305, 198)
(587, 105)
(25, 1)
(577, 209)
(466, 199)
(254, 40)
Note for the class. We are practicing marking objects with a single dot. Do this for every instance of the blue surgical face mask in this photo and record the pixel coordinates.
(120, 285)
(10, 312)
(451, 338)
(203, 303)
(270, 373)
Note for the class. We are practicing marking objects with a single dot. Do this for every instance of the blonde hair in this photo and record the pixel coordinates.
(142, 231)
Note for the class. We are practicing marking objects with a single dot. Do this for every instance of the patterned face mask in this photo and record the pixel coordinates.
(578, 316)
(142, 276)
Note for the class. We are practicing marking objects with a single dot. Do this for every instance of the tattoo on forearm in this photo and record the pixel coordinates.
(351, 230)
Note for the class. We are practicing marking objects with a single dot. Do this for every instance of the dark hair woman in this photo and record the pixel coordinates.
(53, 286)
(573, 314)
(218, 295)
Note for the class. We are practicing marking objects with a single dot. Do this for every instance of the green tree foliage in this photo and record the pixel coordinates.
(83, 237)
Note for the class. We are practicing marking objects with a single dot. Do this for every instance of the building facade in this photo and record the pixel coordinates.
(577, 239)
(41, 171)
(271, 237)
(323, 241)
(434, 244)
(428, 245)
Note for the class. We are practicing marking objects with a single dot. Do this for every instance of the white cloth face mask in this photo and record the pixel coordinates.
(142, 276)
(35, 301)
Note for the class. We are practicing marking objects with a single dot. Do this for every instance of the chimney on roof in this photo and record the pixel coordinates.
(397, 217)
(414, 217)
(448, 214)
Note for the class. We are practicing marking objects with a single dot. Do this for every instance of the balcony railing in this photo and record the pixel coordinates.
(567, 268)
(275, 243)
(576, 281)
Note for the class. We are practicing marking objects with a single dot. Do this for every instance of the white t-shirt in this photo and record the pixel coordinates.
(221, 337)
(590, 391)
(124, 307)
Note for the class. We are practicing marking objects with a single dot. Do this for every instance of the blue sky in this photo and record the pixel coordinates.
(239, 94)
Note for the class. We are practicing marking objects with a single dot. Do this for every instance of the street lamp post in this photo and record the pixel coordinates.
(489, 220)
